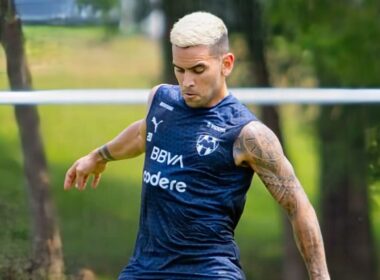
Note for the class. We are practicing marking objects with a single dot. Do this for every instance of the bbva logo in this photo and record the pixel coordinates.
(206, 144)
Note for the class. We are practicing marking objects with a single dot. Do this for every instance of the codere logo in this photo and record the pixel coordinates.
(163, 182)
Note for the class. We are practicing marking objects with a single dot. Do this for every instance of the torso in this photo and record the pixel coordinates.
(193, 193)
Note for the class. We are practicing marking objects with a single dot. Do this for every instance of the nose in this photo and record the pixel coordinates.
(188, 79)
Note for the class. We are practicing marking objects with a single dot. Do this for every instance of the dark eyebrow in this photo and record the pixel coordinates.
(198, 65)
(193, 67)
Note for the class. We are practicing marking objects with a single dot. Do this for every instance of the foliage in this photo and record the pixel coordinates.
(344, 37)
(342, 40)
(373, 147)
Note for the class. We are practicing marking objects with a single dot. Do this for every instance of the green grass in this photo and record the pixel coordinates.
(101, 224)
(98, 227)
(61, 57)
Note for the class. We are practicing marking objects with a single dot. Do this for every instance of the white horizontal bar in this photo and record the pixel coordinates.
(246, 95)
(306, 95)
(76, 96)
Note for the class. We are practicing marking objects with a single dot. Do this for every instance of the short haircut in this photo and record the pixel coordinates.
(201, 28)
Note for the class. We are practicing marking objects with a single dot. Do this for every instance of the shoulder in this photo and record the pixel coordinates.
(164, 91)
(155, 91)
(256, 145)
(239, 110)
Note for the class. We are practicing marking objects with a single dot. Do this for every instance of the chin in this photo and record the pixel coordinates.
(193, 104)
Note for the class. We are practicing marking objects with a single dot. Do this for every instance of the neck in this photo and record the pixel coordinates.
(223, 92)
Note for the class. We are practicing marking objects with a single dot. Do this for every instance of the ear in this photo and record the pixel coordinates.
(227, 64)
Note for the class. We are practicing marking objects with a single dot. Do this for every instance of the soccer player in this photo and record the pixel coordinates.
(201, 148)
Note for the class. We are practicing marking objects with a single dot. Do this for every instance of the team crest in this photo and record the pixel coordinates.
(206, 144)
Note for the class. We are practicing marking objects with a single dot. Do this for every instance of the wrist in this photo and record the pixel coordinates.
(104, 154)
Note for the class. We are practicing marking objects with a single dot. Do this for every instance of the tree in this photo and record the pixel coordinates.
(47, 257)
(173, 11)
(344, 197)
(344, 169)
(252, 25)
(343, 38)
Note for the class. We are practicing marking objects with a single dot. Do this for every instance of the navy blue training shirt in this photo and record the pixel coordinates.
(193, 194)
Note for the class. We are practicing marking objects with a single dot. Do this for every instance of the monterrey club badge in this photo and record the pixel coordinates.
(206, 144)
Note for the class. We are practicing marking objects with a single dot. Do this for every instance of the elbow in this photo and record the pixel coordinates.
(298, 205)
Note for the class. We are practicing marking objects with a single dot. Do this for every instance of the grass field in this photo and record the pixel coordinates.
(98, 227)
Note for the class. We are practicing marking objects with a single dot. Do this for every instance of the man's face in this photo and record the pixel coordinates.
(201, 75)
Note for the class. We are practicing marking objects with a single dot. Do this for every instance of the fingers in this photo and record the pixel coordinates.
(70, 178)
(96, 180)
(79, 173)
(75, 176)
(82, 179)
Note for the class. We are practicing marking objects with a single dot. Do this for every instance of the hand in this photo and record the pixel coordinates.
(80, 171)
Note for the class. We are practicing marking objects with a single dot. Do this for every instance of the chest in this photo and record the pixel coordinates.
(189, 140)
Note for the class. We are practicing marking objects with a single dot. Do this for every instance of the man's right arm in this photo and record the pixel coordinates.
(128, 144)
(258, 147)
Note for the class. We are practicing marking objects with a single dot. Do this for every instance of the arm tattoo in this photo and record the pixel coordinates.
(265, 154)
(105, 153)
(258, 147)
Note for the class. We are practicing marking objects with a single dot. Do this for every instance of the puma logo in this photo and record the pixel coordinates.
(156, 124)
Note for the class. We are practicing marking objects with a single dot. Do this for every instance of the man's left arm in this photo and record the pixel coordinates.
(258, 147)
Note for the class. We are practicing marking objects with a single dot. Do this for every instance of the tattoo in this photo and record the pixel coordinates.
(265, 155)
(309, 242)
(258, 147)
(105, 153)
(262, 144)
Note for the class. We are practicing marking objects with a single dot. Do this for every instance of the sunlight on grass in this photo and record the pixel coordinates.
(63, 57)
(108, 215)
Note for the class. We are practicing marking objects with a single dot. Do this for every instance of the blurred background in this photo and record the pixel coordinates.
(83, 44)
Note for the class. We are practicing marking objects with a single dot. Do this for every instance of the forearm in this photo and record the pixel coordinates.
(309, 241)
(128, 144)
(288, 192)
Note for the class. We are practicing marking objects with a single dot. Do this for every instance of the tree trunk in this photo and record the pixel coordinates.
(250, 15)
(47, 257)
(344, 174)
(173, 12)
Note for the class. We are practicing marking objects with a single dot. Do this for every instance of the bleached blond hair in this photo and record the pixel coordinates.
(200, 28)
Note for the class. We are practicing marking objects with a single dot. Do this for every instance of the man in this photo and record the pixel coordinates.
(201, 149)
